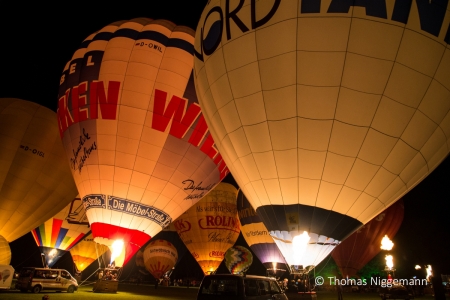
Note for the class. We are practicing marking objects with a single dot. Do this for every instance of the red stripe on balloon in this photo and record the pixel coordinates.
(56, 227)
(133, 239)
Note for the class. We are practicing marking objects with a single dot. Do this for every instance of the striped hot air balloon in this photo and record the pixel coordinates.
(134, 135)
(5, 251)
(258, 238)
(60, 233)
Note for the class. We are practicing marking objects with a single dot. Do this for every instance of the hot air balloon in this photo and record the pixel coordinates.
(5, 251)
(86, 252)
(170, 234)
(139, 151)
(160, 257)
(364, 244)
(210, 227)
(238, 259)
(61, 232)
(326, 112)
(35, 180)
(258, 238)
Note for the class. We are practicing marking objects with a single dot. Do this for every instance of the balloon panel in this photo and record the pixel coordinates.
(65, 229)
(325, 114)
(140, 152)
(160, 256)
(86, 252)
(5, 251)
(238, 259)
(210, 227)
(364, 244)
(35, 180)
(256, 234)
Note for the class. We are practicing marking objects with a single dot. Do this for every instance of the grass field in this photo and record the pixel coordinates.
(148, 292)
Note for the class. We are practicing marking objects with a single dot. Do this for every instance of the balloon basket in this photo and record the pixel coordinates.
(109, 282)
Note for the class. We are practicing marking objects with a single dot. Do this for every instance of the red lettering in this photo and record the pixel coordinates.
(64, 117)
(221, 166)
(199, 132)
(176, 112)
(209, 221)
(218, 220)
(108, 104)
(208, 147)
(79, 100)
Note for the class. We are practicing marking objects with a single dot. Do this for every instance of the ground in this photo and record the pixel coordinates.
(148, 292)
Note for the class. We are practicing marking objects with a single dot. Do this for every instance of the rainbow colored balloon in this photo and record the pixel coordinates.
(238, 259)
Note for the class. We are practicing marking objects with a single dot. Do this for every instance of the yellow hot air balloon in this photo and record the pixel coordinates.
(326, 112)
(35, 180)
(140, 153)
(61, 232)
(211, 226)
(86, 252)
(160, 256)
(5, 251)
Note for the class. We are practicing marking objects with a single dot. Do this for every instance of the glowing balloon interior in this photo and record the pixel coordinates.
(210, 227)
(35, 180)
(160, 257)
(139, 151)
(326, 112)
(86, 252)
(238, 259)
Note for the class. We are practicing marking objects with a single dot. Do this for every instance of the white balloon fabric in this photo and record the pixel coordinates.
(140, 152)
(326, 112)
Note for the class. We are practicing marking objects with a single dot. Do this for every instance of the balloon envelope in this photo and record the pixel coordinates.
(86, 252)
(5, 251)
(61, 232)
(35, 180)
(258, 238)
(326, 112)
(238, 259)
(211, 226)
(140, 153)
(160, 257)
(364, 244)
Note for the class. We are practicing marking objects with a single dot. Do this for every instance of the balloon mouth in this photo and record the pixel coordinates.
(299, 244)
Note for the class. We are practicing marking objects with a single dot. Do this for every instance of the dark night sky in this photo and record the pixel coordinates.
(36, 42)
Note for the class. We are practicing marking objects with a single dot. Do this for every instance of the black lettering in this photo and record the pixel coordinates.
(233, 15)
(374, 8)
(431, 15)
(310, 6)
(256, 24)
(401, 11)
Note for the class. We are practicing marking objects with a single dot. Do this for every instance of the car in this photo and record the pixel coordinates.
(396, 291)
(38, 279)
(239, 287)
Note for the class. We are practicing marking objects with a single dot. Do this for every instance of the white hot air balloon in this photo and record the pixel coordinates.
(326, 112)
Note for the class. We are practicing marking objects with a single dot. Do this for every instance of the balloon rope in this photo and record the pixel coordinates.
(89, 277)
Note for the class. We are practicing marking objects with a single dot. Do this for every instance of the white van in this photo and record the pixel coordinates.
(37, 279)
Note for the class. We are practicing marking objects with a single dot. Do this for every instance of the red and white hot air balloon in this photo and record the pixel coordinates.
(136, 139)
